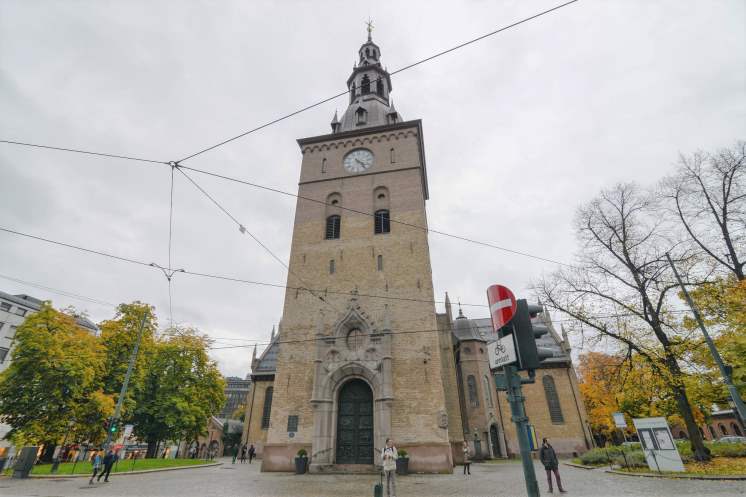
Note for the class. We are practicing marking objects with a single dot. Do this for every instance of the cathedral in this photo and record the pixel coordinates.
(360, 354)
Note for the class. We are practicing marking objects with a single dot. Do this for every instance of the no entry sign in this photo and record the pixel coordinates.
(502, 305)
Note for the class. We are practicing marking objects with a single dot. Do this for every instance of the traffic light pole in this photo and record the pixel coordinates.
(118, 409)
(740, 408)
(518, 416)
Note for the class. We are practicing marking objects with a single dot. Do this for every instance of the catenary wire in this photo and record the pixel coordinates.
(65, 293)
(409, 66)
(403, 223)
(87, 152)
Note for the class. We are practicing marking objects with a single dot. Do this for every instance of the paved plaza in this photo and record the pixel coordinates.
(501, 479)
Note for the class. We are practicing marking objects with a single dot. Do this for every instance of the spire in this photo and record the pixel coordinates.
(370, 29)
(449, 311)
(335, 123)
(272, 336)
(253, 359)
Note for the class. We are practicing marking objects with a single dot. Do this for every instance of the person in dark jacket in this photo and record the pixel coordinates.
(549, 460)
(109, 459)
(252, 453)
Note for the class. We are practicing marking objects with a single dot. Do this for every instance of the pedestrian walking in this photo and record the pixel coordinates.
(243, 454)
(109, 459)
(549, 459)
(96, 460)
(388, 457)
(467, 459)
(252, 453)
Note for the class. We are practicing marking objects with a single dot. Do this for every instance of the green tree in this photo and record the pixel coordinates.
(53, 381)
(182, 388)
(118, 337)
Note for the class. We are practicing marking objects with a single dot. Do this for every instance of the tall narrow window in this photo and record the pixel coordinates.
(555, 410)
(353, 90)
(332, 227)
(488, 392)
(723, 429)
(736, 429)
(380, 263)
(323, 165)
(332, 267)
(471, 385)
(365, 85)
(267, 407)
(393, 156)
(379, 87)
(362, 116)
(382, 221)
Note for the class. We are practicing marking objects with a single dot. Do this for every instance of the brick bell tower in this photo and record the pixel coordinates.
(354, 369)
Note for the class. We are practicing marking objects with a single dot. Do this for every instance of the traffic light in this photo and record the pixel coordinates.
(113, 426)
(525, 333)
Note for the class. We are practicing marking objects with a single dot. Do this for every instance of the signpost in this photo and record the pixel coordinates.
(660, 450)
(502, 353)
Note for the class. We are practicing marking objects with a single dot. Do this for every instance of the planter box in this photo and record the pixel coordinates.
(301, 465)
(402, 466)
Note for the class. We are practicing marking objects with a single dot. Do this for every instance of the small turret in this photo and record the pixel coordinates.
(335, 123)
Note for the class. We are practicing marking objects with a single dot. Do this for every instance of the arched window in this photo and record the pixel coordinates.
(267, 407)
(365, 84)
(332, 267)
(550, 390)
(367, 52)
(379, 87)
(323, 165)
(488, 391)
(352, 92)
(332, 227)
(380, 262)
(361, 115)
(382, 221)
(736, 429)
(471, 385)
(682, 434)
(723, 429)
(713, 433)
(393, 156)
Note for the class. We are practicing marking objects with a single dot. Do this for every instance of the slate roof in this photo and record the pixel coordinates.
(34, 304)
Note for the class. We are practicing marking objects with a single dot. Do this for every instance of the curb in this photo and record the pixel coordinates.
(125, 473)
(679, 477)
(581, 466)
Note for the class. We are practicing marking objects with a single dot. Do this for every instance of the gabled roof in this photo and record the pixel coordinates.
(267, 362)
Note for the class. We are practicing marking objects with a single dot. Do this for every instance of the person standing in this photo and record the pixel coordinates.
(243, 454)
(549, 459)
(467, 459)
(252, 453)
(96, 460)
(109, 459)
(388, 457)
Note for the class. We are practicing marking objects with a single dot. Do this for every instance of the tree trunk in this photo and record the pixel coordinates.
(48, 452)
(152, 448)
(699, 451)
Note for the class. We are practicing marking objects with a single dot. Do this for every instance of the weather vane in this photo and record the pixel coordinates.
(370, 27)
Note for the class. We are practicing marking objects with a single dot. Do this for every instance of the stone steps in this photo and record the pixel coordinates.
(344, 469)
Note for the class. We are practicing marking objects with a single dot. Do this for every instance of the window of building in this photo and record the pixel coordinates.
(267, 407)
(352, 92)
(713, 433)
(11, 332)
(365, 84)
(4, 306)
(736, 429)
(723, 429)
(488, 391)
(379, 88)
(20, 311)
(333, 224)
(332, 267)
(362, 115)
(323, 165)
(555, 410)
(380, 263)
(382, 221)
(3, 354)
(471, 385)
(393, 155)
(292, 424)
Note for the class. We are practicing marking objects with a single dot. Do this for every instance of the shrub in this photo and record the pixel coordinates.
(728, 450)
(302, 453)
(632, 459)
(402, 454)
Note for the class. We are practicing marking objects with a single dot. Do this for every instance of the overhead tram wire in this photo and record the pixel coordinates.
(402, 69)
(393, 220)
(243, 229)
(64, 293)
(87, 152)
(273, 285)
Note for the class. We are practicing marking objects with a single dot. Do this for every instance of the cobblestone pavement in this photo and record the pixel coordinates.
(502, 479)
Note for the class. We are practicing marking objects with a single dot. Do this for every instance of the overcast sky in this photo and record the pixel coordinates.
(519, 129)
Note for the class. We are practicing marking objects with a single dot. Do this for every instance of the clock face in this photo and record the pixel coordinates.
(358, 160)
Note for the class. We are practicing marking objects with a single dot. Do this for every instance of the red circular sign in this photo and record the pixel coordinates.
(502, 305)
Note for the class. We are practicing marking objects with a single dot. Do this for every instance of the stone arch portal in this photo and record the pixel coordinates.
(342, 375)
